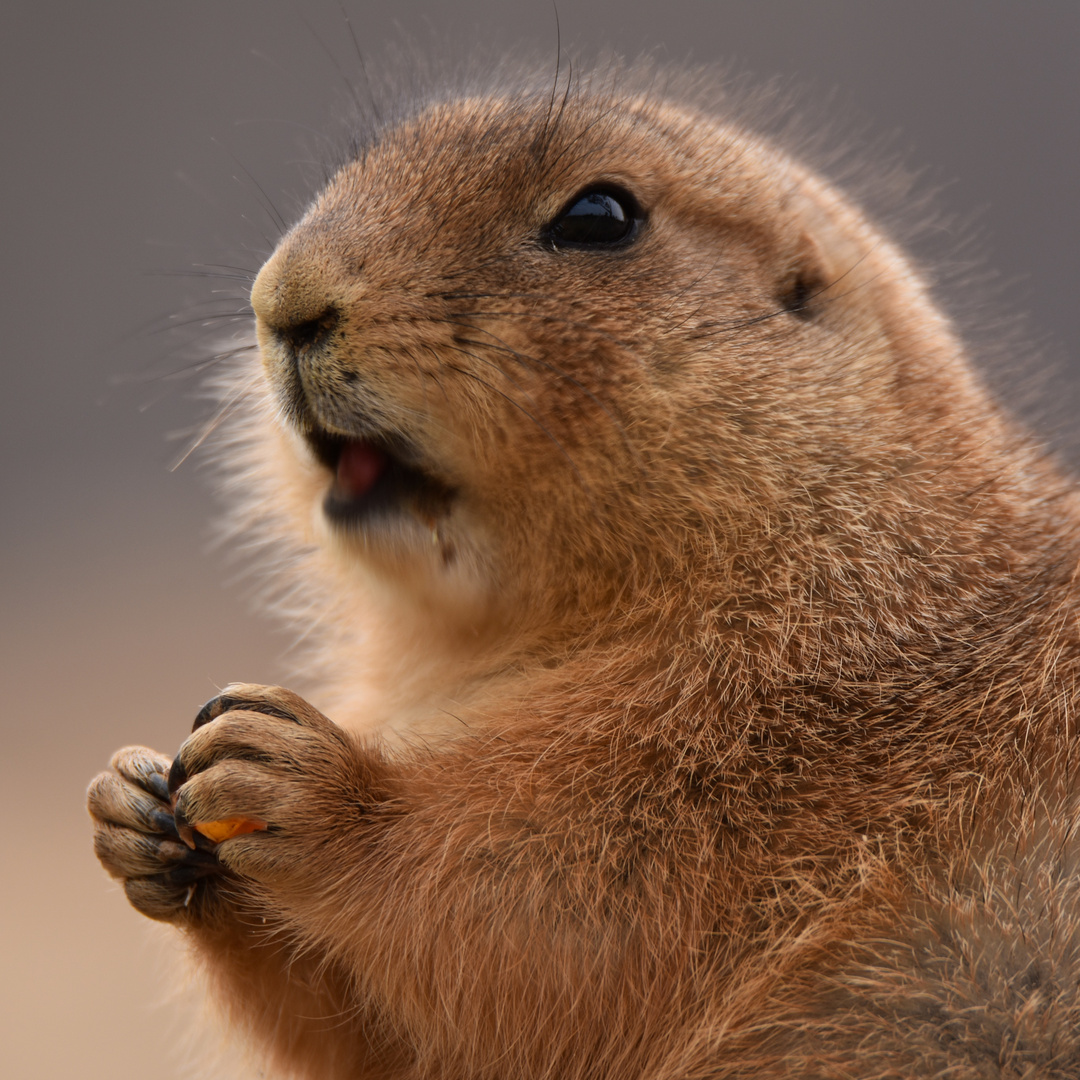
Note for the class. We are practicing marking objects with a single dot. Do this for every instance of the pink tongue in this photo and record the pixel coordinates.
(359, 466)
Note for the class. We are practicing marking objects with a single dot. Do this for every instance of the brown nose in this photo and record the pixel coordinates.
(292, 303)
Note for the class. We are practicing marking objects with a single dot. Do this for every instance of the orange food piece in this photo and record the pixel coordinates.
(227, 828)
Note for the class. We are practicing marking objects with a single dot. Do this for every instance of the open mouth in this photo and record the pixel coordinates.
(376, 479)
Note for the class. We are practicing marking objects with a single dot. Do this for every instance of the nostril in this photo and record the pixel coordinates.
(311, 333)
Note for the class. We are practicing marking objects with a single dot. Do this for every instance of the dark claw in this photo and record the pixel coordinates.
(183, 828)
(164, 822)
(188, 875)
(177, 854)
(203, 843)
(177, 777)
(186, 832)
(220, 703)
(223, 703)
(157, 784)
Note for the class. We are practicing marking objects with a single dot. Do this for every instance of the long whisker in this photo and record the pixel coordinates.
(241, 315)
(539, 424)
(525, 359)
(363, 68)
(546, 316)
(581, 134)
(189, 314)
(350, 86)
(490, 363)
(225, 410)
(206, 363)
(475, 356)
(214, 275)
(554, 84)
(551, 124)
(264, 200)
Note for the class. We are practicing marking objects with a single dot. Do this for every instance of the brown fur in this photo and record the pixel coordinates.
(718, 724)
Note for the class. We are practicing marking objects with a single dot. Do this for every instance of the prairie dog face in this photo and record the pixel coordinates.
(521, 351)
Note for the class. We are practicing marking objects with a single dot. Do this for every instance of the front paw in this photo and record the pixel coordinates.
(268, 777)
(137, 841)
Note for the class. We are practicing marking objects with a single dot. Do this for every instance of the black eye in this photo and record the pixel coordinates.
(602, 216)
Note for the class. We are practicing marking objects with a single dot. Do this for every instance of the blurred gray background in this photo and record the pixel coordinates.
(141, 141)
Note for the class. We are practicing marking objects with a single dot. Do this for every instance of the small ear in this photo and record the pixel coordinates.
(801, 285)
(827, 258)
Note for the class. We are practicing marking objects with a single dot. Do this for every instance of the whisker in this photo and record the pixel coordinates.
(208, 362)
(195, 367)
(595, 331)
(555, 81)
(610, 110)
(526, 359)
(222, 414)
(490, 363)
(201, 320)
(363, 67)
(540, 425)
(206, 274)
(551, 124)
(349, 84)
(265, 201)
(248, 273)
(193, 313)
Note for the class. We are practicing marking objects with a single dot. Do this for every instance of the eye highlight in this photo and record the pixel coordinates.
(599, 216)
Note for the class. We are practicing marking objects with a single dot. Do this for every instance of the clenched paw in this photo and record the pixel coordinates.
(269, 778)
(136, 838)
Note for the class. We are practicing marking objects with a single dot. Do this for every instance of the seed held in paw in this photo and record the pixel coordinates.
(227, 828)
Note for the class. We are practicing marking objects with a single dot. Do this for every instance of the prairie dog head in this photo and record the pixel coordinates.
(527, 357)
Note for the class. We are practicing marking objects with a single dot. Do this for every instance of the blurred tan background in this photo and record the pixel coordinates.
(136, 138)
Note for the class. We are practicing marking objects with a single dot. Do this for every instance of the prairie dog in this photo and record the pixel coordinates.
(697, 635)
